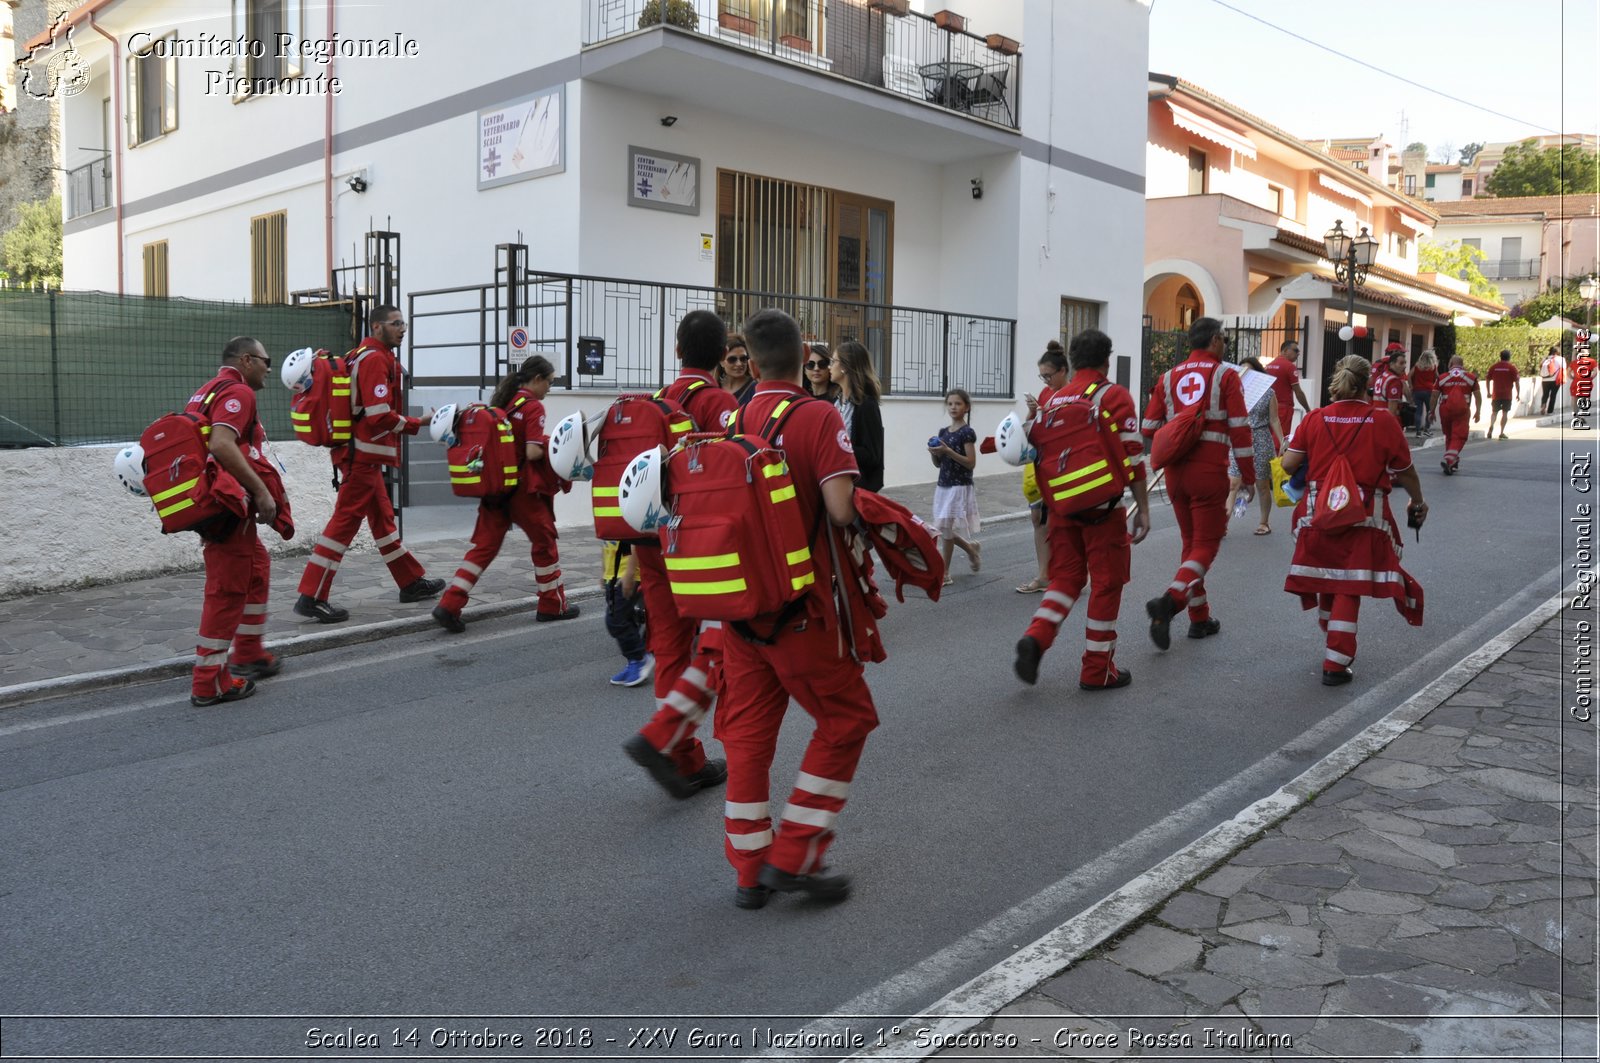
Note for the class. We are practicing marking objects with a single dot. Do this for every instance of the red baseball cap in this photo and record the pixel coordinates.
(1394, 348)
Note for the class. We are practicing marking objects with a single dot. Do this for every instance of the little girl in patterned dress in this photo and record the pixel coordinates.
(955, 501)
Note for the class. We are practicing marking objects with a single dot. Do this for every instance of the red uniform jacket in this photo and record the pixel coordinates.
(527, 417)
(376, 390)
(233, 403)
(1456, 389)
(1191, 386)
(710, 405)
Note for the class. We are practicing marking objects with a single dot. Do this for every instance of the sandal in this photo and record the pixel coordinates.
(1262, 529)
(1033, 586)
(947, 581)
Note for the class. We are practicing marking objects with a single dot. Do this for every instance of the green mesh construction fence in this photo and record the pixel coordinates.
(88, 367)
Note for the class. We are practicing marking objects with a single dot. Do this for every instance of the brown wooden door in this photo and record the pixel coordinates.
(862, 272)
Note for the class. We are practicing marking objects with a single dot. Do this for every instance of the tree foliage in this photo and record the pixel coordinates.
(32, 249)
(1526, 170)
(1456, 259)
(1564, 301)
(1470, 152)
(1416, 145)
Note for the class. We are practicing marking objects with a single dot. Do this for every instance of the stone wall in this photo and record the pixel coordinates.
(30, 136)
(66, 522)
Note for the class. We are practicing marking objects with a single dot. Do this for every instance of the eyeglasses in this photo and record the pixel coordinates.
(1047, 377)
(397, 323)
(737, 359)
(816, 365)
(265, 360)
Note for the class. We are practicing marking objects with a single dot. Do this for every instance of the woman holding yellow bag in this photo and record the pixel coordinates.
(1266, 438)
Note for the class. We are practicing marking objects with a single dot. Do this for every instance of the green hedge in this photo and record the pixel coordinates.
(1480, 347)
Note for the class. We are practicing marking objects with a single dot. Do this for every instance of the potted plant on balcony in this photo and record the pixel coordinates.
(744, 24)
(999, 42)
(949, 20)
(891, 7)
(680, 13)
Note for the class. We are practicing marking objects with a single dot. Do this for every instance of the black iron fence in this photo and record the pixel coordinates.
(608, 334)
(880, 43)
(1163, 348)
(90, 367)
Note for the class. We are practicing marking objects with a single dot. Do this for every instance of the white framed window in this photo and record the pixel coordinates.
(273, 30)
(152, 92)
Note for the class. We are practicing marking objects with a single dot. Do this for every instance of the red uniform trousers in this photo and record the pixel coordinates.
(235, 610)
(362, 497)
(1336, 614)
(536, 516)
(1098, 554)
(688, 668)
(1199, 497)
(1455, 424)
(803, 662)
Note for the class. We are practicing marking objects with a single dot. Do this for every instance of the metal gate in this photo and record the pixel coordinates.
(1163, 348)
(1333, 349)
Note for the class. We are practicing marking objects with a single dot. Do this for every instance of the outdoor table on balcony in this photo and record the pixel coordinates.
(950, 83)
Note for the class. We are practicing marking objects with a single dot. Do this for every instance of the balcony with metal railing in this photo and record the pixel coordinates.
(89, 188)
(933, 60)
(1509, 269)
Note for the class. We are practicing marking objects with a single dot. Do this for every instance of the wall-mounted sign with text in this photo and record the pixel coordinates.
(659, 180)
(522, 139)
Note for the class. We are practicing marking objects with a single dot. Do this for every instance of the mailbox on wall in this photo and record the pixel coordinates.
(591, 356)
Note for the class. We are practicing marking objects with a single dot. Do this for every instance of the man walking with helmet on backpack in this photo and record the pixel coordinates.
(363, 495)
(1087, 545)
(1196, 414)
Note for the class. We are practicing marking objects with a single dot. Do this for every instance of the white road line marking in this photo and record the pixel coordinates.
(289, 676)
(982, 996)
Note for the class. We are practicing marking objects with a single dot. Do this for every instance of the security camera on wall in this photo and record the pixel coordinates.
(977, 188)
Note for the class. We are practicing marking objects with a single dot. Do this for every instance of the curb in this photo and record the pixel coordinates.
(990, 993)
(293, 646)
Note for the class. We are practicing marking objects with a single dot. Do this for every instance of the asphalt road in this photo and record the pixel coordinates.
(446, 825)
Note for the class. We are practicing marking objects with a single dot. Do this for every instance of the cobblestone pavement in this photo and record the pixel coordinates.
(140, 622)
(1436, 902)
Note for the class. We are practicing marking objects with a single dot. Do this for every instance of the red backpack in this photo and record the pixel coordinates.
(632, 424)
(1336, 503)
(735, 546)
(190, 491)
(484, 461)
(323, 415)
(1082, 464)
(1181, 434)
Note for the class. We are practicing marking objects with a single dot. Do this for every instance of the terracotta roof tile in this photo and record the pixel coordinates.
(1549, 206)
(1306, 243)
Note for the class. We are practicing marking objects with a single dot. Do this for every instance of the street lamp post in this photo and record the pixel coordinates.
(1352, 257)
(1589, 289)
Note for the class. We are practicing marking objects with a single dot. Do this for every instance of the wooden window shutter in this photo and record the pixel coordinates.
(269, 258)
(155, 269)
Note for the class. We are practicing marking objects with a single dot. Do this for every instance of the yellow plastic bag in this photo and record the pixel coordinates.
(1280, 498)
(1030, 485)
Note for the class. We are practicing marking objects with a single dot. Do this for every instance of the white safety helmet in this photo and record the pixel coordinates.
(639, 493)
(443, 425)
(296, 373)
(130, 468)
(569, 448)
(1011, 441)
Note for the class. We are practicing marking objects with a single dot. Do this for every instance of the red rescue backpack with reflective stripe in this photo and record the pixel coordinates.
(1335, 500)
(1081, 464)
(1174, 440)
(632, 424)
(190, 491)
(735, 546)
(484, 461)
(324, 414)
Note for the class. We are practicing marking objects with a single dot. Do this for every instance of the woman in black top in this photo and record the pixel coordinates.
(851, 369)
(819, 382)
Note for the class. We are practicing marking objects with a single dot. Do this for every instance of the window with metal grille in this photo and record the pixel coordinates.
(269, 262)
(1077, 315)
(155, 269)
(152, 93)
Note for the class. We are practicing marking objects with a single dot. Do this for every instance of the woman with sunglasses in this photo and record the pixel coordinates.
(851, 369)
(819, 383)
(736, 375)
